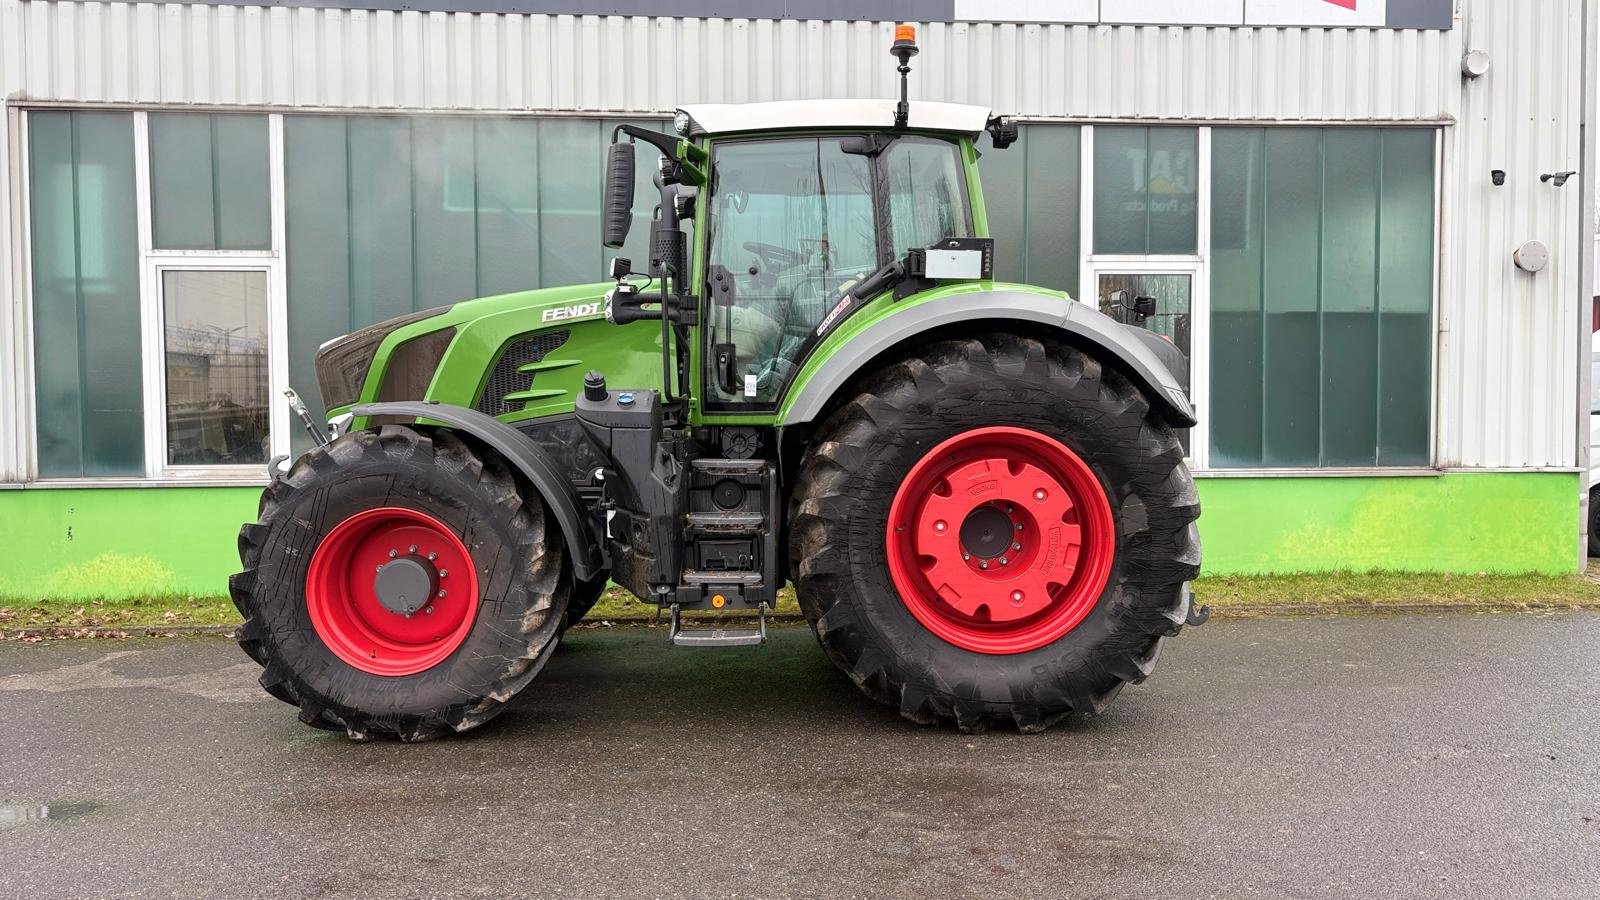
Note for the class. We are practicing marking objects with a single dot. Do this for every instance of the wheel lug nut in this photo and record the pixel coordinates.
(1003, 560)
(428, 609)
(441, 592)
(965, 555)
(413, 549)
(393, 553)
(939, 526)
(444, 573)
(432, 557)
(983, 564)
(1019, 526)
(1016, 597)
(1016, 546)
(1039, 494)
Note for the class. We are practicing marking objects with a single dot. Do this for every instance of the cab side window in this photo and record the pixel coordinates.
(792, 225)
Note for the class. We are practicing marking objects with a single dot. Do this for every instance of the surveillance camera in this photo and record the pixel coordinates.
(1559, 179)
(1498, 176)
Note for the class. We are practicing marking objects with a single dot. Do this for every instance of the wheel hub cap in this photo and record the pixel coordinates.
(987, 532)
(405, 585)
(392, 591)
(1000, 540)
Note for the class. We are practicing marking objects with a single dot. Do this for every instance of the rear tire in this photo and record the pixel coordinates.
(1594, 521)
(915, 649)
(350, 664)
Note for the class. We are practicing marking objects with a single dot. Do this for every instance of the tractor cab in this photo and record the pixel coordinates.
(804, 212)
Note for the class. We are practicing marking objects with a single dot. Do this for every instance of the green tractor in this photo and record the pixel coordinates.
(975, 487)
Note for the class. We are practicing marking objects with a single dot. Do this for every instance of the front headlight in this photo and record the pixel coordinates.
(680, 123)
(343, 363)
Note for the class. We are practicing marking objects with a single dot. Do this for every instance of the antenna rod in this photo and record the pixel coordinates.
(905, 47)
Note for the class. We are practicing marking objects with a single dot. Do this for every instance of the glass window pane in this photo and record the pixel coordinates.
(1291, 251)
(181, 203)
(1144, 190)
(444, 194)
(1173, 178)
(1236, 320)
(1322, 296)
(1121, 181)
(243, 186)
(792, 222)
(1405, 297)
(383, 280)
(1172, 293)
(508, 205)
(317, 263)
(209, 187)
(571, 160)
(215, 340)
(1053, 204)
(1350, 298)
(88, 372)
(1032, 196)
(927, 196)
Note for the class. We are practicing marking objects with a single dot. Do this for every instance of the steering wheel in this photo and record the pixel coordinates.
(778, 258)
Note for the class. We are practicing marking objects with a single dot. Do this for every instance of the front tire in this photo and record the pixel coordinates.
(907, 503)
(481, 596)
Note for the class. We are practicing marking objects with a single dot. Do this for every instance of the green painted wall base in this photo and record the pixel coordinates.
(119, 542)
(1504, 522)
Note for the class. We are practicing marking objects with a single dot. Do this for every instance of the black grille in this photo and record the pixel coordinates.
(505, 379)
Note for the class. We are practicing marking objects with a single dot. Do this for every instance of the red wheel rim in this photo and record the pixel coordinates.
(343, 599)
(1000, 540)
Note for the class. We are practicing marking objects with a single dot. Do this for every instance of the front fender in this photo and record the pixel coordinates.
(520, 452)
(1121, 345)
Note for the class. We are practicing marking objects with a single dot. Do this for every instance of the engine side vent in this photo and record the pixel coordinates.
(505, 379)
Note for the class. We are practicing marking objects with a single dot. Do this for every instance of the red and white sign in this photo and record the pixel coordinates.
(1329, 13)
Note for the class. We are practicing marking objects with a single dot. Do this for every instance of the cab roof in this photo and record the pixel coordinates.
(811, 115)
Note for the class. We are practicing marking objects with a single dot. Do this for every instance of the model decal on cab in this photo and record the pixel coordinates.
(577, 311)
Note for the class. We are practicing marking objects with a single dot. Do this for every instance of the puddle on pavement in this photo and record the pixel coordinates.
(25, 813)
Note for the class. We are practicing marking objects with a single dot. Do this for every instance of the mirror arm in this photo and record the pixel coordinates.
(666, 143)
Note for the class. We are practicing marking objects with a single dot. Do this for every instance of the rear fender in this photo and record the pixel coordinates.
(525, 455)
(1125, 347)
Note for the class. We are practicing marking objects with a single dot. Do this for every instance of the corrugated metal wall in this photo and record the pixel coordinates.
(195, 53)
(1508, 363)
(1508, 359)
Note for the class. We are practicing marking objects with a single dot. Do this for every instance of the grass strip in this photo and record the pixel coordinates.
(1228, 596)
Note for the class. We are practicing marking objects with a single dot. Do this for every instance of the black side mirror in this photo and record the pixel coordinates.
(1003, 131)
(1136, 309)
(617, 207)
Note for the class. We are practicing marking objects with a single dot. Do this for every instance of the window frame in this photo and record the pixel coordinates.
(1092, 265)
(153, 261)
(717, 411)
(1196, 265)
(153, 337)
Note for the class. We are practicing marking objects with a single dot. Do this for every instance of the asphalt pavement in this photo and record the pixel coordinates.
(1445, 755)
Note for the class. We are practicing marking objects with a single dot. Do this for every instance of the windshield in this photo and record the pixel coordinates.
(795, 223)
